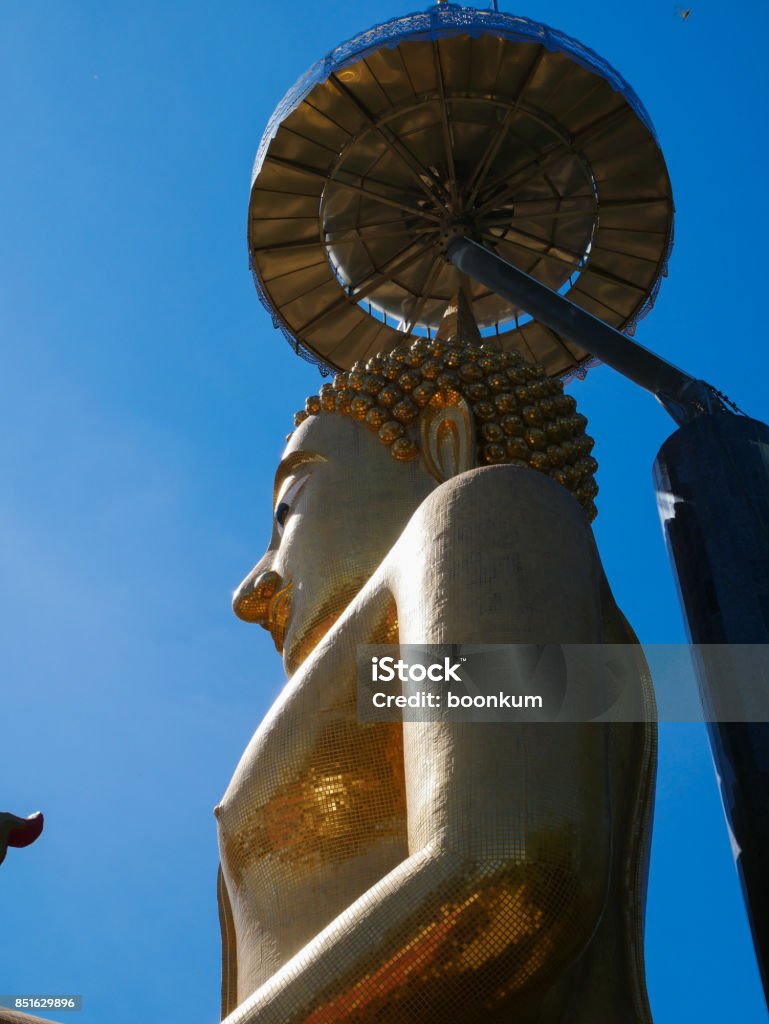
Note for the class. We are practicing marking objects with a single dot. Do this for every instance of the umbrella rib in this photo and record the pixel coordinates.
(390, 269)
(369, 284)
(483, 168)
(308, 243)
(521, 337)
(393, 143)
(445, 123)
(306, 138)
(630, 255)
(596, 205)
(484, 165)
(536, 167)
(532, 252)
(519, 207)
(588, 268)
(611, 309)
(345, 336)
(560, 341)
(541, 241)
(303, 270)
(430, 279)
(292, 165)
(316, 172)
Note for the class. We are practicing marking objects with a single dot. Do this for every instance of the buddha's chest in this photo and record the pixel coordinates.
(314, 816)
(321, 804)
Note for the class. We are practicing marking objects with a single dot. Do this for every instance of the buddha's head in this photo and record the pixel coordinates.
(369, 448)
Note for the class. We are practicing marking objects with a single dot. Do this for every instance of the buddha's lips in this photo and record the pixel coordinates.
(278, 612)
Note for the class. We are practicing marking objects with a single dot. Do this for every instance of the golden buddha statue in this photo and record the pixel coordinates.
(433, 871)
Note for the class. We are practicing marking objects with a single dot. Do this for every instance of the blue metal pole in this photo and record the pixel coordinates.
(712, 481)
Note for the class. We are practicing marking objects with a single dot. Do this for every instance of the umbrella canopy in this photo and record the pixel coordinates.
(451, 121)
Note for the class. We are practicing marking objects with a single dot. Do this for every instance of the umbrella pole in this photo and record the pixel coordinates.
(712, 482)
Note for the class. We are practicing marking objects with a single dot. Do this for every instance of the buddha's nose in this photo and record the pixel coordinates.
(251, 601)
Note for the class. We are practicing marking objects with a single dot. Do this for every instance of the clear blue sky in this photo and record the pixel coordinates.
(144, 397)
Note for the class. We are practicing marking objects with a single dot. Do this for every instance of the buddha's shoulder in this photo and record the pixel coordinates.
(495, 555)
(498, 505)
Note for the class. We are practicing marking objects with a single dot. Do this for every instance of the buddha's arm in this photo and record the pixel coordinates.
(494, 896)
(509, 831)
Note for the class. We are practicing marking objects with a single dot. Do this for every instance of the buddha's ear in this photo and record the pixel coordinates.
(447, 435)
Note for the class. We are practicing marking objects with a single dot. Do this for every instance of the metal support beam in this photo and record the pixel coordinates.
(712, 482)
(684, 397)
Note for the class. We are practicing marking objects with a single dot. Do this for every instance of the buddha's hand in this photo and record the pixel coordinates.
(15, 831)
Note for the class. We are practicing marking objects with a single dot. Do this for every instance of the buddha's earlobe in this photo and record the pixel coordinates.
(447, 438)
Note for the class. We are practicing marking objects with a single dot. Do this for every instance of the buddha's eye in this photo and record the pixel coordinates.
(287, 502)
(281, 513)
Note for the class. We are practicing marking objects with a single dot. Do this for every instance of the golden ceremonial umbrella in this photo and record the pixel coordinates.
(466, 122)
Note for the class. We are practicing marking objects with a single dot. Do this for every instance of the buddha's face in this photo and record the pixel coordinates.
(340, 502)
